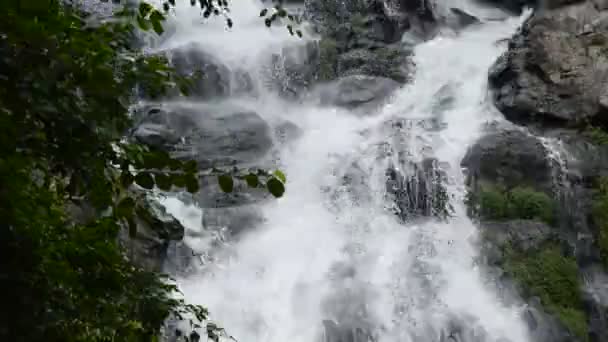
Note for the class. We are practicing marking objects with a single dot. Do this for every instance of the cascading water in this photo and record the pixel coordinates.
(331, 259)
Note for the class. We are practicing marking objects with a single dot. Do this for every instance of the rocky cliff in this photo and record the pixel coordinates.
(538, 189)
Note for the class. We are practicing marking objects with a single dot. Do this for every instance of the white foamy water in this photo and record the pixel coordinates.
(330, 249)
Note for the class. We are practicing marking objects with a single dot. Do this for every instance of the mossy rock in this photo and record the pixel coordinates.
(600, 218)
(553, 277)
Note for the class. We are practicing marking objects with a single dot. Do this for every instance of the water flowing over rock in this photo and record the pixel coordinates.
(357, 90)
(371, 241)
(420, 192)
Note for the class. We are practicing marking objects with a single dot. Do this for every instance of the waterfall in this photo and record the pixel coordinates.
(347, 255)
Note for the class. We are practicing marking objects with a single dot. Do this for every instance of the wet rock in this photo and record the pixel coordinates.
(514, 6)
(213, 135)
(156, 229)
(232, 222)
(335, 332)
(543, 327)
(213, 77)
(555, 70)
(419, 190)
(521, 234)
(296, 68)
(180, 259)
(389, 62)
(509, 158)
(461, 19)
(211, 196)
(287, 131)
(344, 20)
(357, 90)
(595, 301)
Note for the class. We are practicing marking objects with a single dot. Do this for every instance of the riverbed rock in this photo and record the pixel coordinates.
(213, 135)
(556, 70)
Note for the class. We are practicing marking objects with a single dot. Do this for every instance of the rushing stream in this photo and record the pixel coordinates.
(331, 261)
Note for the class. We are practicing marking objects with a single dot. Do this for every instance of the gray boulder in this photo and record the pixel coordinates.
(555, 70)
(356, 91)
(213, 135)
(509, 158)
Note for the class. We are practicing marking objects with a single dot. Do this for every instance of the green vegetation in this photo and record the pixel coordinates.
(597, 135)
(552, 277)
(600, 218)
(65, 88)
(494, 203)
(328, 59)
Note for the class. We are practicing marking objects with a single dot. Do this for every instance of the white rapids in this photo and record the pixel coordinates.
(331, 250)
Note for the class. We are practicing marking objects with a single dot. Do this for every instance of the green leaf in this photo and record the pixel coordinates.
(125, 207)
(175, 164)
(145, 8)
(252, 180)
(158, 27)
(275, 187)
(280, 175)
(143, 23)
(191, 166)
(179, 180)
(157, 18)
(192, 184)
(145, 180)
(156, 160)
(163, 181)
(226, 183)
(263, 12)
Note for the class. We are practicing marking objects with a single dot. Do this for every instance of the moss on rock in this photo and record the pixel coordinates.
(553, 277)
(495, 203)
(600, 218)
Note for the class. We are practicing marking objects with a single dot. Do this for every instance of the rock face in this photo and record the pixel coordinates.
(211, 135)
(360, 37)
(511, 158)
(420, 192)
(556, 69)
(148, 248)
(158, 235)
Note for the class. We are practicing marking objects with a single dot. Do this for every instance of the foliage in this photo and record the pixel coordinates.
(553, 277)
(65, 89)
(518, 203)
(600, 218)
(597, 135)
(328, 59)
(220, 7)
